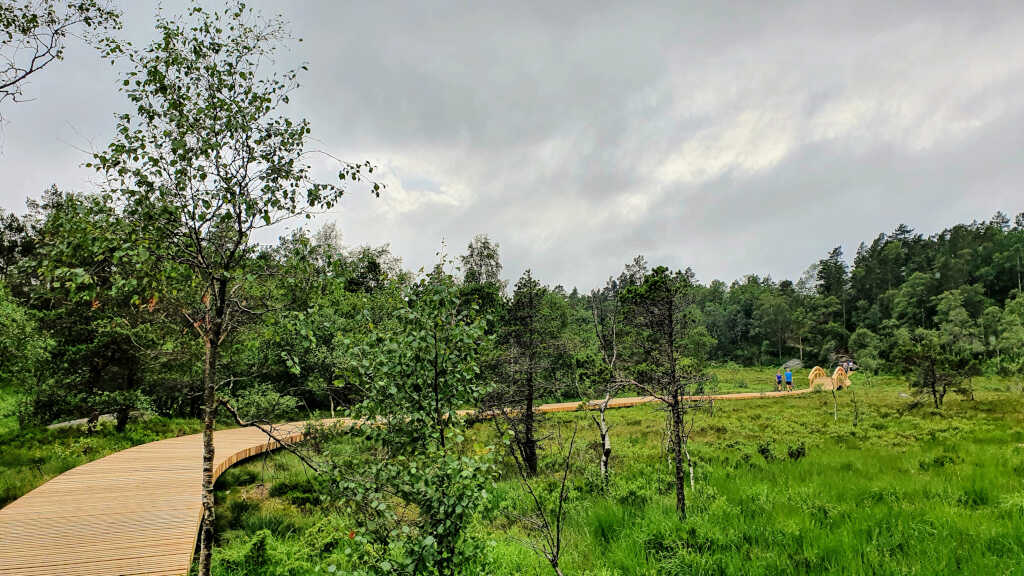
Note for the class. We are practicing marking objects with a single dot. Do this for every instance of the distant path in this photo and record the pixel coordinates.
(137, 511)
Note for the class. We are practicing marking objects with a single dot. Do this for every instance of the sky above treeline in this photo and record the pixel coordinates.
(732, 138)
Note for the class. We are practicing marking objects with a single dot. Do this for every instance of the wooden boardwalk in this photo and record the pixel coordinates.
(137, 512)
(133, 512)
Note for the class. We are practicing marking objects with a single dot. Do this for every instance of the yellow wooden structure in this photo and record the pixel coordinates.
(840, 379)
(818, 378)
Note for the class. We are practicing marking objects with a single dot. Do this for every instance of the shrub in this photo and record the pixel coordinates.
(797, 452)
(765, 450)
(297, 492)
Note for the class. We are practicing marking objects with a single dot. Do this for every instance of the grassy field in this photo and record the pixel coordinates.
(32, 456)
(29, 457)
(781, 487)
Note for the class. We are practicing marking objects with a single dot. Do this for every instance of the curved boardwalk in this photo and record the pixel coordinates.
(133, 512)
(138, 511)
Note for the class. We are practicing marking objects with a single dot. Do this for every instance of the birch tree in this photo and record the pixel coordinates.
(203, 161)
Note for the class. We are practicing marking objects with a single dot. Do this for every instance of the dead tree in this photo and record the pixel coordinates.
(856, 408)
(546, 527)
(605, 308)
(610, 389)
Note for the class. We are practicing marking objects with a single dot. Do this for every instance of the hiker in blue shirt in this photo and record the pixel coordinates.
(789, 380)
(778, 381)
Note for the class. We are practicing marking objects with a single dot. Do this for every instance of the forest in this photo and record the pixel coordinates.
(148, 309)
(84, 336)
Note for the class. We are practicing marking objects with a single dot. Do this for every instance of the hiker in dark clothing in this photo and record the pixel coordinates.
(778, 381)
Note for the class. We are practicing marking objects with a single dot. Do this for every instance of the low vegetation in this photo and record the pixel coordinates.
(781, 488)
(33, 456)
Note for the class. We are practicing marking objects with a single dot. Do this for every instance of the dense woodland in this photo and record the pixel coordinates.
(80, 341)
(151, 296)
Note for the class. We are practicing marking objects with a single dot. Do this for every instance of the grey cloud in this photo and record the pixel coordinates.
(577, 134)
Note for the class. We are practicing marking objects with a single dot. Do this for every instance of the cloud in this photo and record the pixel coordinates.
(731, 137)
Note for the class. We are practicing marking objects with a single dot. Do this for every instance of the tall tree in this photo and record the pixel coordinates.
(833, 278)
(481, 264)
(482, 285)
(774, 319)
(202, 162)
(534, 355)
(657, 311)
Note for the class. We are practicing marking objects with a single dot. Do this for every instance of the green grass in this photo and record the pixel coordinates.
(922, 492)
(32, 456)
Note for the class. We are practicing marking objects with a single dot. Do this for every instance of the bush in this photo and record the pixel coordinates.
(797, 452)
(297, 492)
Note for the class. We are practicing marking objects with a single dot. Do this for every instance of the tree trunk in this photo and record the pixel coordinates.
(209, 414)
(677, 454)
(835, 405)
(689, 462)
(856, 408)
(529, 437)
(606, 445)
(123, 412)
(93, 422)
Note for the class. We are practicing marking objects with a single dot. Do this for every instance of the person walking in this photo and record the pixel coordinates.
(789, 379)
(778, 381)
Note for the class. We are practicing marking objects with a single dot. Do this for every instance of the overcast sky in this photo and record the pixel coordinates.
(733, 138)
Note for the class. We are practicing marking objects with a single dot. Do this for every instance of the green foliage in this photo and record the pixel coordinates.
(33, 35)
(23, 347)
(884, 497)
(262, 402)
(201, 97)
(414, 379)
(81, 277)
(865, 347)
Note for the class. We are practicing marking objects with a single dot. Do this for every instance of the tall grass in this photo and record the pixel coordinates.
(922, 492)
(32, 456)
